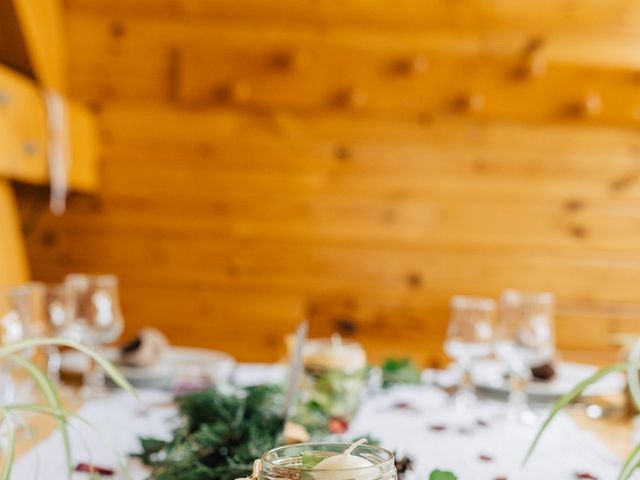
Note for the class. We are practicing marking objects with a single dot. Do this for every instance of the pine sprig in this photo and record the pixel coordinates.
(219, 436)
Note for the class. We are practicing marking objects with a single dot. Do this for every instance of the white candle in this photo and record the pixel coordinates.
(342, 465)
(334, 354)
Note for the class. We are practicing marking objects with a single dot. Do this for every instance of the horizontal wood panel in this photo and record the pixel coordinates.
(593, 16)
(441, 72)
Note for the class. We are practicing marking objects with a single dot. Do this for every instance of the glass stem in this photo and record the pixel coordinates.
(94, 378)
(518, 394)
(466, 382)
(8, 388)
(54, 363)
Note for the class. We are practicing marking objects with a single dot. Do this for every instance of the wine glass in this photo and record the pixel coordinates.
(525, 338)
(51, 316)
(95, 320)
(15, 308)
(469, 338)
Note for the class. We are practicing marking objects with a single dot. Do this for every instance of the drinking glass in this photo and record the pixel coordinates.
(524, 339)
(469, 338)
(96, 320)
(51, 314)
(15, 308)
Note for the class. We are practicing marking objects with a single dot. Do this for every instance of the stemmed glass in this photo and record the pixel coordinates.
(96, 320)
(525, 338)
(469, 338)
(51, 316)
(15, 316)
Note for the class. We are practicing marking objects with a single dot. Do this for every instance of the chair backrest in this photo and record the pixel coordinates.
(13, 258)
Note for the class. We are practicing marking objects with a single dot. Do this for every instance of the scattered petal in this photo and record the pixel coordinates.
(89, 468)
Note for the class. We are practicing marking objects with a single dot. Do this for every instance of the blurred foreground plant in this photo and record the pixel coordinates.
(632, 368)
(52, 406)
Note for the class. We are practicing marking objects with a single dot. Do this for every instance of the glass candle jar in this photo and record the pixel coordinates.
(288, 463)
(332, 384)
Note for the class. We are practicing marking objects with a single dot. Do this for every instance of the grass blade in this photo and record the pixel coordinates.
(633, 380)
(630, 464)
(108, 367)
(565, 400)
(50, 393)
(11, 446)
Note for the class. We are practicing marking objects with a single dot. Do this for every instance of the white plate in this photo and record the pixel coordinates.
(176, 361)
(490, 375)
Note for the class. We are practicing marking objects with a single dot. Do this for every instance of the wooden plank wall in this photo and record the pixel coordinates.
(358, 163)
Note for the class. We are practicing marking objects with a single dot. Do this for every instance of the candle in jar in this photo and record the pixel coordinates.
(334, 354)
(343, 466)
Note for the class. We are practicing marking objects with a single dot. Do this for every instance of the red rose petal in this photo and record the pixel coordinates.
(485, 458)
(88, 468)
(586, 476)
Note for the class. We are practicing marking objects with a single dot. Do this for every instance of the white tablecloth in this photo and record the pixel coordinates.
(414, 421)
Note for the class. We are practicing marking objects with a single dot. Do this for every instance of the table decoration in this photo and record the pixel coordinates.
(328, 461)
(396, 371)
(219, 434)
(333, 381)
(566, 450)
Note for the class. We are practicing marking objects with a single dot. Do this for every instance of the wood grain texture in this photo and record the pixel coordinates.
(326, 163)
(592, 16)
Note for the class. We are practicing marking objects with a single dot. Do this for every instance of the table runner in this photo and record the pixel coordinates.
(418, 421)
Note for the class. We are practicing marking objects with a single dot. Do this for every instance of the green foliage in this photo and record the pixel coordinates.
(50, 393)
(327, 394)
(632, 463)
(399, 371)
(442, 475)
(219, 437)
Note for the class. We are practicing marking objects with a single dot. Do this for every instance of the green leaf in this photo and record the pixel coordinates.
(442, 475)
(310, 459)
(630, 464)
(11, 446)
(399, 371)
(565, 400)
(108, 367)
(633, 377)
(50, 393)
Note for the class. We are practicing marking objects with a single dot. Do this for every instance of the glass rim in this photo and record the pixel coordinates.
(470, 301)
(347, 342)
(389, 461)
(514, 295)
(91, 277)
